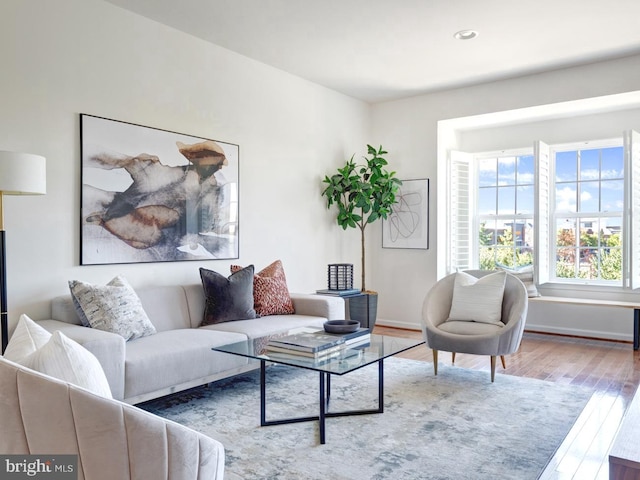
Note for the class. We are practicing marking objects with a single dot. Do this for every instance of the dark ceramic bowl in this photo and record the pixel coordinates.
(341, 326)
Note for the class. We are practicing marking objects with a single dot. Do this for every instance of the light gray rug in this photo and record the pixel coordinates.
(457, 425)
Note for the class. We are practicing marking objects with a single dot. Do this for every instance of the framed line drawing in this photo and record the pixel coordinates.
(408, 224)
(151, 195)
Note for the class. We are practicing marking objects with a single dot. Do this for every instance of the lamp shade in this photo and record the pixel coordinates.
(22, 174)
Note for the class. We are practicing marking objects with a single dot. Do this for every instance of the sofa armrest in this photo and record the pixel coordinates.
(109, 349)
(327, 306)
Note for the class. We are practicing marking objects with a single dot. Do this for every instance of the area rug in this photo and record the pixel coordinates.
(457, 425)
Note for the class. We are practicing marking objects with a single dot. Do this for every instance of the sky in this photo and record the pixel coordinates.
(506, 184)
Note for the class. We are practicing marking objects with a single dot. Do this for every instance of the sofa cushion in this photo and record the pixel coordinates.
(171, 358)
(227, 299)
(114, 307)
(67, 360)
(259, 332)
(478, 299)
(166, 306)
(270, 291)
(26, 339)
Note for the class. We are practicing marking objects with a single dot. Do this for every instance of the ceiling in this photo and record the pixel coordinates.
(377, 50)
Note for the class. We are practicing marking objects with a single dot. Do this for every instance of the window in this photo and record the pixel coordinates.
(564, 209)
(588, 213)
(505, 210)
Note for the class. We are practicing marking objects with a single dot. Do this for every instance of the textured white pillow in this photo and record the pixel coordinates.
(525, 275)
(114, 307)
(67, 360)
(478, 299)
(26, 339)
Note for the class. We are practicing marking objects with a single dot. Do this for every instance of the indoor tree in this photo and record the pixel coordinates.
(363, 193)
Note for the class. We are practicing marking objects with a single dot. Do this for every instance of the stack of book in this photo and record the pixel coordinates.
(315, 346)
(340, 293)
(359, 338)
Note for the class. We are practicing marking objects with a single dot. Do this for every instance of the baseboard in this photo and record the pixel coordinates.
(575, 332)
(396, 324)
(571, 332)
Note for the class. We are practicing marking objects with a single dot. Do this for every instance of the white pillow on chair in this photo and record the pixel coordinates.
(26, 339)
(56, 355)
(478, 299)
(69, 361)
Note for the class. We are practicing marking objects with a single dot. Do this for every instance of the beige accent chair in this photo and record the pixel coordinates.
(40, 415)
(474, 337)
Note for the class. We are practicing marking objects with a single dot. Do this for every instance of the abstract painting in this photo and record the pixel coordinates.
(151, 195)
(408, 224)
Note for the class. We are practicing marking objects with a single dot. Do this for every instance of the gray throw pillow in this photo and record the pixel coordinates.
(525, 275)
(114, 307)
(227, 299)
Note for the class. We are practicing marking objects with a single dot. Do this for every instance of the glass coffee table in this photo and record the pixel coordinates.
(349, 360)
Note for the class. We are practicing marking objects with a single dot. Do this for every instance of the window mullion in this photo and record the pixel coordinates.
(631, 244)
(542, 192)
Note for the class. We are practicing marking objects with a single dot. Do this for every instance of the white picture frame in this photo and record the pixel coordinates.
(408, 224)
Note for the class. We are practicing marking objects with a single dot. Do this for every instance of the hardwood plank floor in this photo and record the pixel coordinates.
(610, 369)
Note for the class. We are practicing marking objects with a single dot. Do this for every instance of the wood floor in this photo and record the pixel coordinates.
(611, 369)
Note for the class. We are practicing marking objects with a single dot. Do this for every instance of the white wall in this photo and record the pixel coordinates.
(408, 128)
(577, 128)
(67, 57)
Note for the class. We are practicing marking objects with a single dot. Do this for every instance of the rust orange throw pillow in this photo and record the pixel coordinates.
(270, 292)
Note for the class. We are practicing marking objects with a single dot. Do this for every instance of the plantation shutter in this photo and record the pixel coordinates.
(632, 208)
(459, 234)
(542, 213)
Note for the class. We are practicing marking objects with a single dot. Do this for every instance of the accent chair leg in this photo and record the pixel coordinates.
(435, 362)
(504, 363)
(493, 368)
(453, 358)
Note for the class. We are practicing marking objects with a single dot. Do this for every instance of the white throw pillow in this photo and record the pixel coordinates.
(478, 299)
(114, 307)
(525, 275)
(69, 361)
(26, 339)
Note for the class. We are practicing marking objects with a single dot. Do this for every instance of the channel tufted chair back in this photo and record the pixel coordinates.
(40, 415)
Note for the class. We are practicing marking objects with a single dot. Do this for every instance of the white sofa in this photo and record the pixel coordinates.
(179, 355)
(41, 415)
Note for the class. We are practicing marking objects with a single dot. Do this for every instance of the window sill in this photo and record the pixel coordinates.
(595, 292)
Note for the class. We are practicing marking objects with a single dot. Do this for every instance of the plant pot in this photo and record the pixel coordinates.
(364, 308)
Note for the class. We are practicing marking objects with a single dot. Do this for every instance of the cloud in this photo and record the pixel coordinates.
(566, 199)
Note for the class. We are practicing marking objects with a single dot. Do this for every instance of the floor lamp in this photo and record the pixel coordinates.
(20, 174)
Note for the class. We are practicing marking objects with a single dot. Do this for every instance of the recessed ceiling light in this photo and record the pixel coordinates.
(465, 34)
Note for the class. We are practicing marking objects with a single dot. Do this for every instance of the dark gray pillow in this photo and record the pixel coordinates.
(227, 299)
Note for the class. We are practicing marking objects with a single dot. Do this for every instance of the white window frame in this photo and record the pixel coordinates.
(554, 215)
(461, 236)
(476, 222)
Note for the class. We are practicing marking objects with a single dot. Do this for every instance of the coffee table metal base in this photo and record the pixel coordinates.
(323, 400)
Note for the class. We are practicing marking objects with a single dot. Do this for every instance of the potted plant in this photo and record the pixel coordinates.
(363, 193)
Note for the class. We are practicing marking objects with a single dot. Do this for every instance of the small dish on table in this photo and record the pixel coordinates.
(341, 326)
